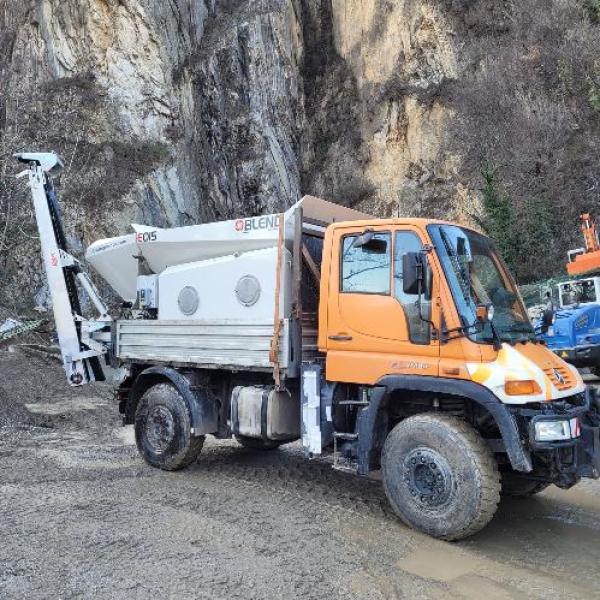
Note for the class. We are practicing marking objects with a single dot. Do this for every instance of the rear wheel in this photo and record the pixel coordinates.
(514, 486)
(439, 476)
(257, 444)
(163, 431)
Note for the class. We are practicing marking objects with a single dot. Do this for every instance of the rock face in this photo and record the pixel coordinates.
(174, 112)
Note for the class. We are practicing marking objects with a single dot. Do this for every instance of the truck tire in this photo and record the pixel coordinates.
(163, 429)
(439, 476)
(257, 444)
(514, 486)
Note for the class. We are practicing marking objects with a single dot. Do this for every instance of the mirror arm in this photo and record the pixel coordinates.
(434, 332)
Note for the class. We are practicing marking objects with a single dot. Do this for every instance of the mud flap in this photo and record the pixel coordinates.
(311, 409)
(588, 452)
(372, 428)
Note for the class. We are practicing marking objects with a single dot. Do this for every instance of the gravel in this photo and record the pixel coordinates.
(84, 517)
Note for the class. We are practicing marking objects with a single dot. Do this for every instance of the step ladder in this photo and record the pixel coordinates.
(341, 463)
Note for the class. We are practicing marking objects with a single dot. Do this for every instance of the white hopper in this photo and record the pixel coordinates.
(162, 248)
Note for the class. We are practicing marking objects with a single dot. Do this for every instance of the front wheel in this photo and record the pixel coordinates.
(439, 476)
(163, 431)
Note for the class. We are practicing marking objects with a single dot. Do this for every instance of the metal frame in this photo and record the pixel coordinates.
(76, 359)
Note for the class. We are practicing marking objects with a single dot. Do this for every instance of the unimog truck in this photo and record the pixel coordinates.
(392, 345)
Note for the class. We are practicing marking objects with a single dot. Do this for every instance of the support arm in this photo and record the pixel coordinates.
(81, 365)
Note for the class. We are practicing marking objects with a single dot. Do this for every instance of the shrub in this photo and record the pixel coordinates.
(498, 215)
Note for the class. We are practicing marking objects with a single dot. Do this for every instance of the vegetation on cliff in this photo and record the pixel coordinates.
(173, 113)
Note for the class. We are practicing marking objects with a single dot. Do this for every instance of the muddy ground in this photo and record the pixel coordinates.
(83, 516)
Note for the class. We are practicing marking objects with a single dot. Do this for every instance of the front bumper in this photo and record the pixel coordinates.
(563, 462)
(580, 356)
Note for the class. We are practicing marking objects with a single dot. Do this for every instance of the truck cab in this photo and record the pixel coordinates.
(579, 292)
(371, 326)
(458, 344)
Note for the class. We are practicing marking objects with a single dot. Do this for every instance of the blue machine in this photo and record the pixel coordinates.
(575, 331)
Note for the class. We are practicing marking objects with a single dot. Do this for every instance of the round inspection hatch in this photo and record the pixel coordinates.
(248, 290)
(188, 300)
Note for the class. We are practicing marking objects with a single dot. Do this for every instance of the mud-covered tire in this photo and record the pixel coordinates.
(439, 476)
(514, 486)
(163, 429)
(256, 444)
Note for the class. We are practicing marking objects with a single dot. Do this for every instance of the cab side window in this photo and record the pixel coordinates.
(418, 329)
(367, 264)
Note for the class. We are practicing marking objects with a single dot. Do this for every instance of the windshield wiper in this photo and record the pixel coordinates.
(528, 337)
(463, 277)
(523, 329)
(497, 338)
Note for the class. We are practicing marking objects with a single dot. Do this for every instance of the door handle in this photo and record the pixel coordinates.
(340, 338)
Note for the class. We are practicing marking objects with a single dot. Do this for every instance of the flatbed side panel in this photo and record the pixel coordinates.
(212, 344)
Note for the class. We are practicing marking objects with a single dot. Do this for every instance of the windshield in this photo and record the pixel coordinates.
(477, 275)
(577, 292)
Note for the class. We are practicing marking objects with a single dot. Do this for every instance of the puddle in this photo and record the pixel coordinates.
(61, 408)
(438, 564)
(576, 496)
(72, 458)
(126, 434)
(475, 587)
(472, 575)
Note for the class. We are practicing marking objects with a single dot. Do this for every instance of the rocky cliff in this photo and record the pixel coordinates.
(170, 112)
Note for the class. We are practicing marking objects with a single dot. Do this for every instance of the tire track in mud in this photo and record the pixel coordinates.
(83, 516)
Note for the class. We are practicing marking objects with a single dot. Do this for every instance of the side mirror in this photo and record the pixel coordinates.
(484, 313)
(413, 272)
(364, 238)
(370, 244)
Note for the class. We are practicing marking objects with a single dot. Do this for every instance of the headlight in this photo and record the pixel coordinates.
(582, 322)
(556, 431)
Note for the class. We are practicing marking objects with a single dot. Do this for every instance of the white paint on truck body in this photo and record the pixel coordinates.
(114, 258)
(215, 281)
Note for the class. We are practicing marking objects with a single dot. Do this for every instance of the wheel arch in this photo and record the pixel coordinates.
(373, 421)
(203, 407)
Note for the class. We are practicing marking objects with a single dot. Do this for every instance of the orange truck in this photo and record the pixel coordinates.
(392, 345)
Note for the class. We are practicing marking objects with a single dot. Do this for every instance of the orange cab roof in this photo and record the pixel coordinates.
(415, 222)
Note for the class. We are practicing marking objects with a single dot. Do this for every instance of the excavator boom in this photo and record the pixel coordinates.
(586, 260)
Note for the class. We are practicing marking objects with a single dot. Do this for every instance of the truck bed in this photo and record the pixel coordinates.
(225, 344)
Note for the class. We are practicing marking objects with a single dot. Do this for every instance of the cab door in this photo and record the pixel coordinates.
(374, 329)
